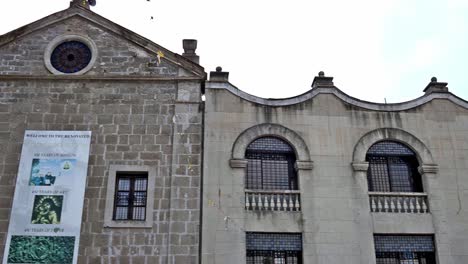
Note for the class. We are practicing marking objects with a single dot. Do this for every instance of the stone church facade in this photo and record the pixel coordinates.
(317, 178)
(144, 115)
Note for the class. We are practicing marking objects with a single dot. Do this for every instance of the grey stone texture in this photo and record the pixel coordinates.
(333, 131)
(139, 114)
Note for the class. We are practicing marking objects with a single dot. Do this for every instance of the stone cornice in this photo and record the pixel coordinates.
(339, 94)
(96, 78)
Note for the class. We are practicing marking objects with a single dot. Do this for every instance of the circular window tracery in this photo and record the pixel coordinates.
(71, 56)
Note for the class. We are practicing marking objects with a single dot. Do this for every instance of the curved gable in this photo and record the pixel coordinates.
(324, 85)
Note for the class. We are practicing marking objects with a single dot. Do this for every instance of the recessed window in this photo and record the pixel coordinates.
(270, 165)
(130, 196)
(71, 56)
(273, 248)
(393, 167)
(404, 249)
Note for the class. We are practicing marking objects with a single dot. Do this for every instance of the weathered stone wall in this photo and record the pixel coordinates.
(140, 113)
(132, 123)
(116, 56)
(335, 220)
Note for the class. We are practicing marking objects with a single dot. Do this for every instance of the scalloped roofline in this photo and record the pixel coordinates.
(75, 10)
(392, 107)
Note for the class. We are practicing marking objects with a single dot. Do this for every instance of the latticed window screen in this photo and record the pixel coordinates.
(404, 249)
(393, 168)
(274, 248)
(130, 196)
(270, 165)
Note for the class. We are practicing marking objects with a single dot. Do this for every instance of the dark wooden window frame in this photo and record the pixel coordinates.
(131, 206)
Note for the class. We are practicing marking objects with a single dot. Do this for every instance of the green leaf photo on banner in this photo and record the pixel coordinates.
(41, 249)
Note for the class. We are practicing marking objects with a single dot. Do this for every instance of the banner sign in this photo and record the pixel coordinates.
(47, 207)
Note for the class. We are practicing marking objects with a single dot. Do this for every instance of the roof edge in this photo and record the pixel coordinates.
(113, 27)
(393, 107)
(33, 26)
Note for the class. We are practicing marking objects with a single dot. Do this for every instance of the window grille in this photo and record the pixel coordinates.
(393, 168)
(390, 148)
(274, 248)
(404, 249)
(270, 165)
(130, 196)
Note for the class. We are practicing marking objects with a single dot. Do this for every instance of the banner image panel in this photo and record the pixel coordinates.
(47, 208)
(41, 249)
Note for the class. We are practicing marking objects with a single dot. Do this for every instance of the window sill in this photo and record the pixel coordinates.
(271, 191)
(399, 193)
(127, 224)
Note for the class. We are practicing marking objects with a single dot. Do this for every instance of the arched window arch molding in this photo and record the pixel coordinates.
(423, 154)
(249, 135)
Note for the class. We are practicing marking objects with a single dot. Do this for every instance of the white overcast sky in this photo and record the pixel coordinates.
(373, 49)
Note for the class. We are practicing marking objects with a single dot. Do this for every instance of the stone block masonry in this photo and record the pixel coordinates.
(132, 123)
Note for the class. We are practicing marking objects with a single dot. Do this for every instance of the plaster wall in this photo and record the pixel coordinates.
(335, 220)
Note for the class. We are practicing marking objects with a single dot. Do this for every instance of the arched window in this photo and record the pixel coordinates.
(270, 165)
(393, 167)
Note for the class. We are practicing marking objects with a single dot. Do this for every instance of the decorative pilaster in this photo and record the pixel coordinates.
(436, 200)
(366, 238)
(360, 174)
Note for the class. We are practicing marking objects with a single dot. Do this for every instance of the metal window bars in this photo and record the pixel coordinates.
(270, 165)
(392, 168)
(274, 248)
(130, 197)
(404, 249)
